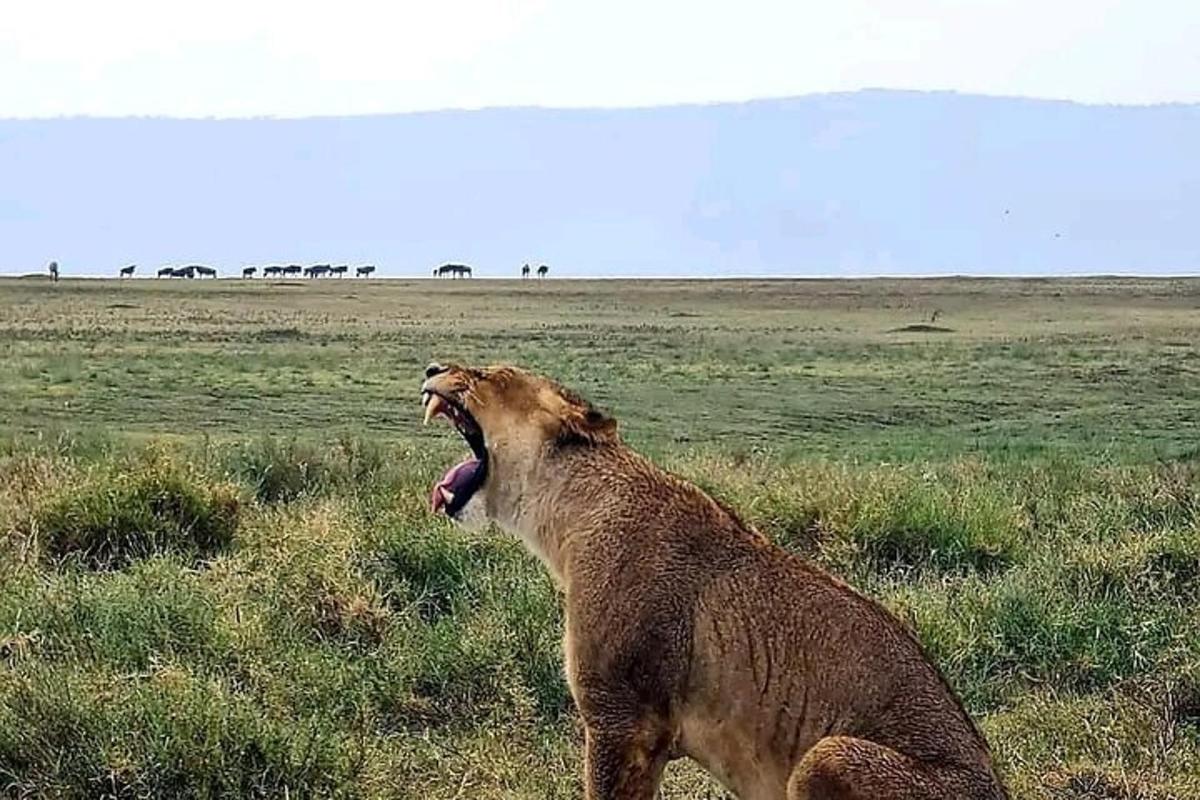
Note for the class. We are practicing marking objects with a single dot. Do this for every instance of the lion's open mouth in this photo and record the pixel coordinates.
(460, 483)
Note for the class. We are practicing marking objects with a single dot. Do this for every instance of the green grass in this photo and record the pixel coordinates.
(218, 576)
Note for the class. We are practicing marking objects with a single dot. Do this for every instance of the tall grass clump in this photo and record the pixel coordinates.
(285, 470)
(169, 734)
(114, 515)
(871, 523)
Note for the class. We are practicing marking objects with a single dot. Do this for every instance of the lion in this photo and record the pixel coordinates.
(688, 633)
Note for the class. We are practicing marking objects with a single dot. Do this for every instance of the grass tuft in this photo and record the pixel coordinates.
(285, 470)
(112, 517)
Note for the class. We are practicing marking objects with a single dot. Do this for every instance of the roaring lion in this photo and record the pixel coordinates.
(688, 633)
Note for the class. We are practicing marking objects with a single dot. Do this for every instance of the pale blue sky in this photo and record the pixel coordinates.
(297, 58)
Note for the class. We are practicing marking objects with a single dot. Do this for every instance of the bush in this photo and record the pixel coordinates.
(112, 518)
(168, 735)
(281, 471)
(154, 611)
(426, 570)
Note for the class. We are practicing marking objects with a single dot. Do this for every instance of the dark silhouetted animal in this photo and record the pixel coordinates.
(183, 272)
(53, 267)
(316, 270)
(543, 270)
(248, 272)
(525, 272)
(453, 270)
(365, 271)
(165, 272)
(292, 269)
(339, 270)
(127, 272)
(204, 272)
(272, 270)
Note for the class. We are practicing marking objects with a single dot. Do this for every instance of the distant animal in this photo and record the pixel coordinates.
(365, 270)
(127, 272)
(687, 631)
(543, 270)
(272, 270)
(53, 267)
(292, 269)
(248, 272)
(453, 270)
(183, 272)
(937, 312)
(165, 272)
(525, 272)
(339, 270)
(204, 272)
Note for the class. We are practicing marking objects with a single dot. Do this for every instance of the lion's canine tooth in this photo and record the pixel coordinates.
(433, 406)
(447, 495)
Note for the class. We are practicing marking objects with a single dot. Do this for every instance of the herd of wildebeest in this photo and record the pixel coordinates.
(201, 271)
(314, 271)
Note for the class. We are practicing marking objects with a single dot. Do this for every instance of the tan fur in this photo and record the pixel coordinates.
(689, 634)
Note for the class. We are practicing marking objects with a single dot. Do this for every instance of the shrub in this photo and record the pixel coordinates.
(114, 517)
(281, 471)
(168, 735)
(426, 569)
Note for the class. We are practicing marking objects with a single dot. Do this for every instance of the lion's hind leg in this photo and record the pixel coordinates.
(845, 768)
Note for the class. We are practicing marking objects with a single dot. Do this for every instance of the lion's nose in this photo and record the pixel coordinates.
(434, 369)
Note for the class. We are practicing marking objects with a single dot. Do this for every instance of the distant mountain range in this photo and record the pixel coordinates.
(867, 183)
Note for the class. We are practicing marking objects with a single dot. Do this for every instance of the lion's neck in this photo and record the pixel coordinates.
(568, 496)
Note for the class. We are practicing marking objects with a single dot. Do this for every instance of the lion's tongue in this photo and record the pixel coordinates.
(458, 479)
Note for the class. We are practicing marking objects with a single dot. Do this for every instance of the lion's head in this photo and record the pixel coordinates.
(512, 420)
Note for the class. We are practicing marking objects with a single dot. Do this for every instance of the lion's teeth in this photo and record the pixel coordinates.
(433, 406)
(448, 495)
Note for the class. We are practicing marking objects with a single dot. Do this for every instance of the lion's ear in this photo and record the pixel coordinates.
(588, 426)
(601, 423)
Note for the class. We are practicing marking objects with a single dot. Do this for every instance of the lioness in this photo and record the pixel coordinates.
(688, 633)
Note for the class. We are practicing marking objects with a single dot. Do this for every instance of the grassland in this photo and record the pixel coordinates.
(217, 575)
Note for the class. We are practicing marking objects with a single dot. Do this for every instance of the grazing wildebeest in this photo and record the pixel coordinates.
(165, 272)
(317, 270)
(248, 272)
(339, 270)
(292, 269)
(543, 270)
(272, 270)
(524, 272)
(53, 267)
(365, 271)
(453, 270)
(184, 272)
(204, 272)
(127, 271)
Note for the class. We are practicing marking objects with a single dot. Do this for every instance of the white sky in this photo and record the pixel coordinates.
(299, 58)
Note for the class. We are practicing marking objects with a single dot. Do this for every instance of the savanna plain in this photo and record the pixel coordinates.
(219, 575)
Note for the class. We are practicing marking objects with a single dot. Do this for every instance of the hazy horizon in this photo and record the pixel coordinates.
(869, 183)
(698, 104)
(767, 138)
